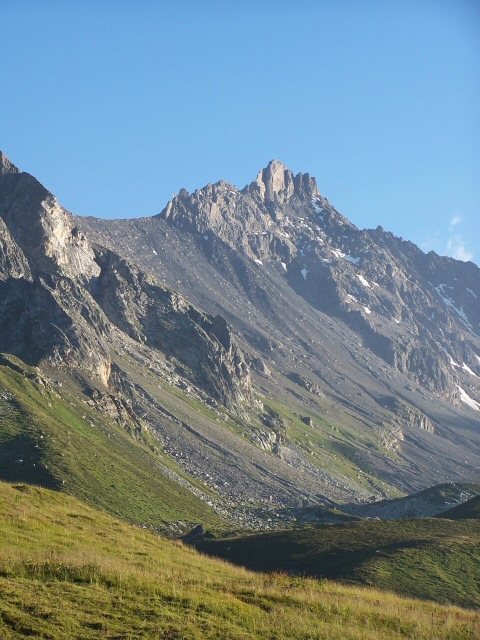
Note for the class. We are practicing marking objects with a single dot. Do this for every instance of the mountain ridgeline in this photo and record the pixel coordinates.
(276, 354)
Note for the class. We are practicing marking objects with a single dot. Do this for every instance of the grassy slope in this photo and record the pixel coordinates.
(69, 572)
(61, 443)
(425, 558)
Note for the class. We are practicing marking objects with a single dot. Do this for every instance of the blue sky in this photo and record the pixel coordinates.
(116, 105)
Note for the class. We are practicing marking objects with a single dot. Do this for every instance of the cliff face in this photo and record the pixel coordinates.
(62, 299)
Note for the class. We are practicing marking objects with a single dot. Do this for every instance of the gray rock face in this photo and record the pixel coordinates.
(203, 346)
(61, 298)
(6, 166)
(416, 312)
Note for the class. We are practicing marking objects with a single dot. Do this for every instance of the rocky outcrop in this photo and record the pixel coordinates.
(62, 300)
(43, 230)
(406, 414)
(13, 263)
(203, 346)
(6, 166)
(305, 383)
(277, 185)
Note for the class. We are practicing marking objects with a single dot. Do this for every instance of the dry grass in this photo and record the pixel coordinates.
(67, 571)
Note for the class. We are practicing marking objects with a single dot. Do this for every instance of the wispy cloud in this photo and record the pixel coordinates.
(456, 245)
(456, 249)
(455, 220)
(451, 242)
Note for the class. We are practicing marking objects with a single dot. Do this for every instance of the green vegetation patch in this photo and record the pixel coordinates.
(55, 440)
(426, 558)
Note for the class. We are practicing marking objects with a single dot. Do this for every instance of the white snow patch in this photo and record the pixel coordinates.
(396, 321)
(351, 298)
(329, 262)
(258, 261)
(452, 361)
(450, 304)
(473, 293)
(318, 208)
(154, 252)
(338, 253)
(464, 397)
(284, 265)
(363, 281)
(466, 368)
(351, 259)
(367, 310)
(375, 284)
(304, 273)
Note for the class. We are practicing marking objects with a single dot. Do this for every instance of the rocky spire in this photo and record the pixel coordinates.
(277, 184)
(6, 166)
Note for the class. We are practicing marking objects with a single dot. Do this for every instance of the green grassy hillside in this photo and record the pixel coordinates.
(55, 440)
(426, 558)
(70, 572)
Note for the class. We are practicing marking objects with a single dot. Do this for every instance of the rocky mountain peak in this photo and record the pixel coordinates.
(43, 229)
(6, 166)
(277, 184)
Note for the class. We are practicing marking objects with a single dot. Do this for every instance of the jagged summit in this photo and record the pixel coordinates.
(6, 166)
(276, 183)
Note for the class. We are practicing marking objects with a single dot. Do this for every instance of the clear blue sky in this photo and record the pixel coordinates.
(115, 105)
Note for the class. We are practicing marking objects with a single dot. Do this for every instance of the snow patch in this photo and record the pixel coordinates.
(466, 368)
(318, 208)
(452, 361)
(473, 293)
(464, 397)
(284, 265)
(351, 259)
(154, 252)
(351, 298)
(460, 312)
(367, 310)
(304, 273)
(258, 261)
(363, 281)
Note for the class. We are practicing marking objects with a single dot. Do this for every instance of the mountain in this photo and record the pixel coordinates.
(275, 354)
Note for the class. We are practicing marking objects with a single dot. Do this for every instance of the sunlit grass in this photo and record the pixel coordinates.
(67, 571)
